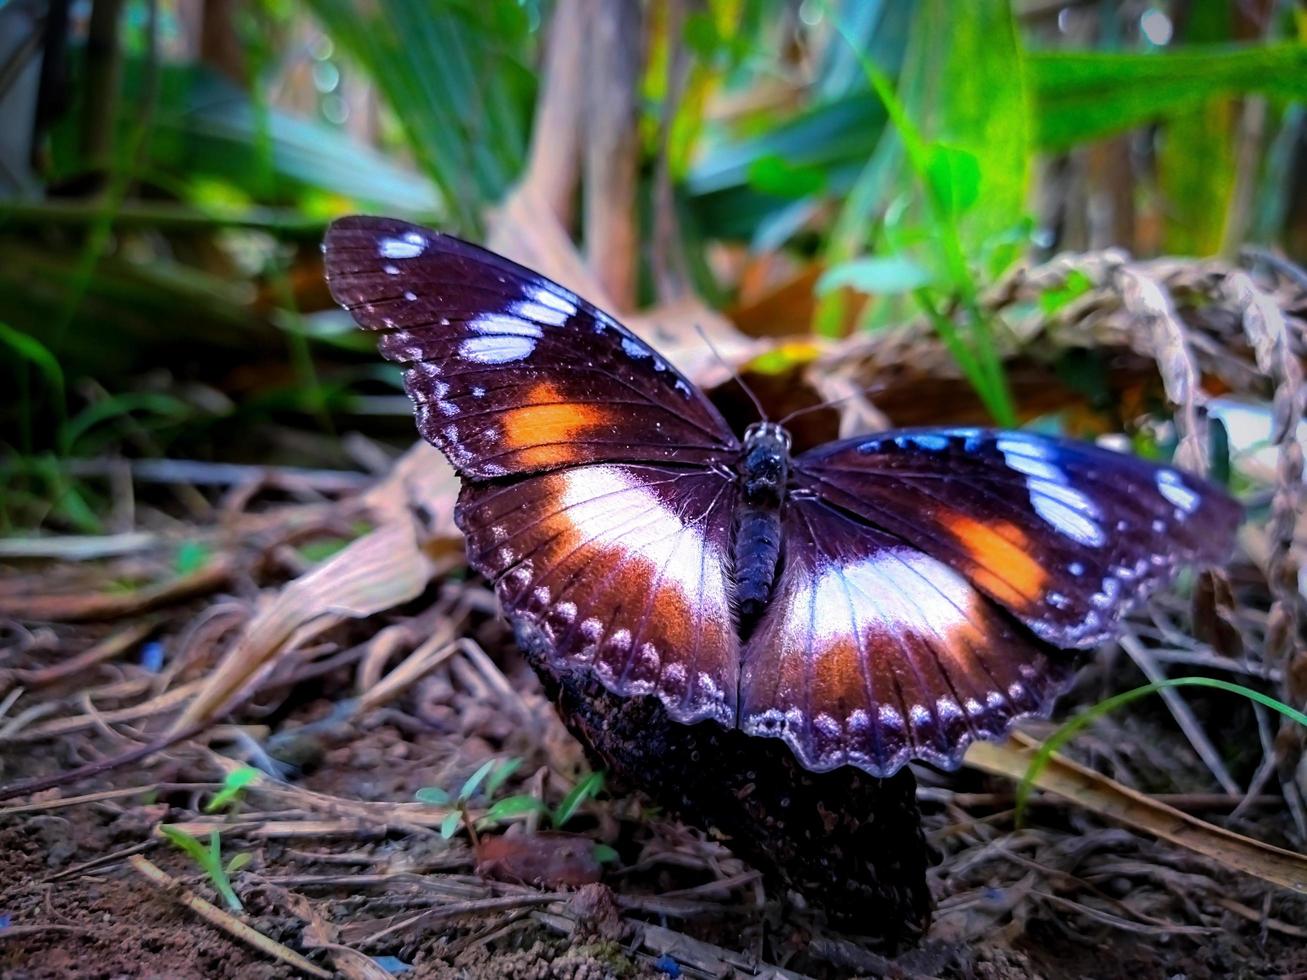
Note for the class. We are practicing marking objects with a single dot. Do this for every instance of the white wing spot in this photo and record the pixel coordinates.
(634, 348)
(1068, 521)
(539, 312)
(826, 725)
(1173, 489)
(496, 350)
(947, 708)
(409, 246)
(564, 304)
(674, 675)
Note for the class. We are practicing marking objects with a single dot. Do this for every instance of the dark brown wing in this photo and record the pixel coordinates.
(620, 569)
(1065, 534)
(509, 372)
(872, 652)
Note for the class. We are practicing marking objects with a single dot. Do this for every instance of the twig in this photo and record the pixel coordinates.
(225, 921)
(106, 649)
(197, 473)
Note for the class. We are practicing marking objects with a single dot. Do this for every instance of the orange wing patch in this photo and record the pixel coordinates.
(541, 430)
(1002, 566)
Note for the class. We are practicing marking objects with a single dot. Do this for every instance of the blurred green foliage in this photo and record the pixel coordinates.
(161, 295)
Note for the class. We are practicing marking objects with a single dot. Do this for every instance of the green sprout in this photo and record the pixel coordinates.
(232, 788)
(210, 861)
(492, 773)
(487, 780)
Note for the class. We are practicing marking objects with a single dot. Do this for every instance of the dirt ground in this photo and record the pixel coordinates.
(1067, 896)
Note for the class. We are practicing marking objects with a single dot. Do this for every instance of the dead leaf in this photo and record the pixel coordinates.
(387, 567)
(1108, 798)
(547, 860)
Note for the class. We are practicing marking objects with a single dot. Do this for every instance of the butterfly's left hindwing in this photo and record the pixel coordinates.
(511, 373)
(620, 569)
(1065, 534)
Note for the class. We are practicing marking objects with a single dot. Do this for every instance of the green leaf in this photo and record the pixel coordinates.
(1081, 96)
(603, 854)
(965, 83)
(954, 176)
(208, 858)
(476, 779)
(118, 406)
(433, 795)
(589, 787)
(238, 861)
(180, 839)
(498, 777)
(1068, 730)
(232, 785)
(454, 75)
(449, 826)
(773, 174)
(513, 806)
(876, 276)
(191, 557)
(32, 350)
(1075, 286)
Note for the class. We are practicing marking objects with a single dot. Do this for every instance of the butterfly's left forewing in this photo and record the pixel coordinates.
(559, 419)
(509, 372)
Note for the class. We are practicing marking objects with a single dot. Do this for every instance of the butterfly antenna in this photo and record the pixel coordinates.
(878, 386)
(762, 414)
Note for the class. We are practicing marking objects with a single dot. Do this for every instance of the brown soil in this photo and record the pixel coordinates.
(1066, 896)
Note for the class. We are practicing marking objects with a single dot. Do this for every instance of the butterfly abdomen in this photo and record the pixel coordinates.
(757, 551)
(764, 470)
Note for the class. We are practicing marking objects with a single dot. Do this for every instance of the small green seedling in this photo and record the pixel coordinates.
(514, 806)
(232, 788)
(210, 861)
(492, 774)
(487, 780)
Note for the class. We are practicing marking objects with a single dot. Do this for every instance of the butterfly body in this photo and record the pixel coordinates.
(763, 477)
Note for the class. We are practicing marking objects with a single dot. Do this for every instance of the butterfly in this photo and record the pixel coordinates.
(873, 600)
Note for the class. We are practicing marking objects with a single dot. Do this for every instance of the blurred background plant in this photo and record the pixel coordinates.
(814, 169)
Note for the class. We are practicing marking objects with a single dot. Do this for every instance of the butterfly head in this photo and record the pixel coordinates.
(765, 463)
